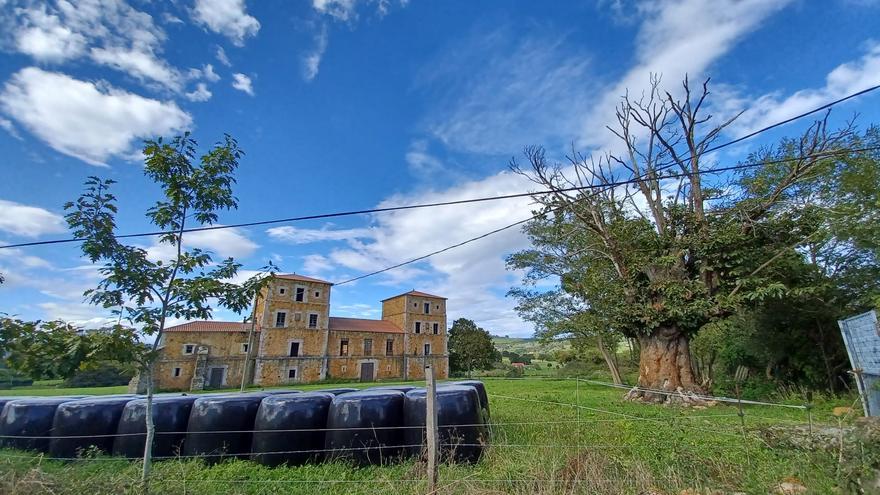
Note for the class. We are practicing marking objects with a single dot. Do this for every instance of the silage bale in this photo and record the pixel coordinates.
(80, 425)
(170, 418)
(274, 441)
(29, 417)
(222, 426)
(365, 427)
(462, 433)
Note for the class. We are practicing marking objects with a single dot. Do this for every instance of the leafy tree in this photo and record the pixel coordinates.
(835, 273)
(558, 315)
(470, 348)
(146, 291)
(661, 259)
(42, 350)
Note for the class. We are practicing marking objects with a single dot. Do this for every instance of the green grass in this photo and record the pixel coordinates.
(606, 446)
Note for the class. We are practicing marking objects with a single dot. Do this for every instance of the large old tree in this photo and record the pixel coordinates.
(677, 248)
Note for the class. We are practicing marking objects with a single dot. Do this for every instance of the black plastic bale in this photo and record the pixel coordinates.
(484, 398)
(364, 427)
(274, 442)
(29, 417)
(84, 424)
(400, 388)
(280, 392)
(170, 418)
(337, 391)
(6, 400)
(222, 426)
(462, 433)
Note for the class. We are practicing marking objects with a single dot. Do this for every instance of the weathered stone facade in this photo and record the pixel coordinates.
(295, 340)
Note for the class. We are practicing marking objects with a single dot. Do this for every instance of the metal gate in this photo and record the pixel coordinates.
(862, 338)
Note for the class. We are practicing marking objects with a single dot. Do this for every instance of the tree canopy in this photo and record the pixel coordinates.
(470, 347)
(681, 247)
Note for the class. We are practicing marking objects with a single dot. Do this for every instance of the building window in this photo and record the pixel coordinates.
(343, 369)
(427, 349)
(415, 305)
(389, 347)
(437, 306)
(297, 316)
(281, 319)
(436, 328)
(418, 327)
(176, 372)
(368, 347)
(313, 320)
(282, 290)
(343, 347)
(427, 308)
(317, 294)
(294, 349)
(388, 367)
(300, 294)
(189, 348)
(244, 348)
(291, 374)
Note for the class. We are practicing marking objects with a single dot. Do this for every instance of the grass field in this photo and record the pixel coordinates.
(541, 444)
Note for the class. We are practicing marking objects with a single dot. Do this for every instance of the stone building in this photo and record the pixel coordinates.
(295, 340)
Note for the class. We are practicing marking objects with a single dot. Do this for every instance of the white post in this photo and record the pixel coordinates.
(431, 428)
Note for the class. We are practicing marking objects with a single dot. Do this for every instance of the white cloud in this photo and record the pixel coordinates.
(43, 37)
(294, 235)
(358, 310)
(316, 263)
(109, 32)
(226, 17)
(201, 93)
(18, 259)
(473, 276)
(341, 10)
(29, 221)
(209, 74)
(846, 78)
(676, 37)
(221, 57)
(496, 92)
(80, 314)
(420, 160)
(222, 243)
(9, 127)
(141, 64)
(243, 83)
(312, 59)
(88, 120)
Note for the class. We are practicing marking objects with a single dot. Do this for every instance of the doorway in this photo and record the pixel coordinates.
(367, 371)
(215, 377)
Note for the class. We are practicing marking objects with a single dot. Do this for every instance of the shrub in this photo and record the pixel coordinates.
(10, 378)
(103, 374)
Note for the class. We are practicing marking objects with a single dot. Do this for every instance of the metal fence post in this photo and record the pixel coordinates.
(431, 428)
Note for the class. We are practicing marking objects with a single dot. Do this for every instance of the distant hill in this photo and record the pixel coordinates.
(527, 345)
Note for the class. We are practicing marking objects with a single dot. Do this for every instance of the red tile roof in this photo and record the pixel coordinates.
(301, 278)
(361, 325)
(212, 326)
(414, 293)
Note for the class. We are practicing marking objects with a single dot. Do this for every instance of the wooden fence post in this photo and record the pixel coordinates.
(431, 428)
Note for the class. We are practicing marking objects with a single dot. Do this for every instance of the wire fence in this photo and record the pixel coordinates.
(552, 424)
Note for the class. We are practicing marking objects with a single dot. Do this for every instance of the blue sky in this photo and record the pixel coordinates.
(350, 104)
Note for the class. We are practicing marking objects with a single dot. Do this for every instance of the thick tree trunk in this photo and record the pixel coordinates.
(609, 360)
(665, 366)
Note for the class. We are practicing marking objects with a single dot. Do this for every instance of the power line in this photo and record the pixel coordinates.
(441, 203)
(604, 186)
